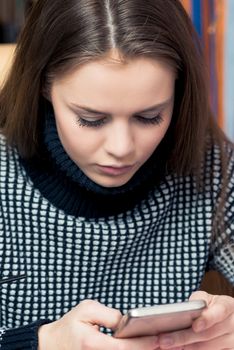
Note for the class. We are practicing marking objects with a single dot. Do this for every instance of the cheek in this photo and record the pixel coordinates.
(67, 134)
(148, 147)
(154, 137)
(77, 142)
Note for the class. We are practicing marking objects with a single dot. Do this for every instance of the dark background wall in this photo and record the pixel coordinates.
(12, 14)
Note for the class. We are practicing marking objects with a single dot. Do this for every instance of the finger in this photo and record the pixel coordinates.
(219, 309)
(100, 341)
(188, 336)
(93, 312)
(222, 343)
(146, 343)
(176, 339)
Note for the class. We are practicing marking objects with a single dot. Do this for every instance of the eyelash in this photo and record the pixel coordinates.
(100, 122)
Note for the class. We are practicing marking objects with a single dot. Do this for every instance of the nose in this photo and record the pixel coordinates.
(120, 141)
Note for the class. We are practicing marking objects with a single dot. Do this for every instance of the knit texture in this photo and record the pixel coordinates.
(21, 338)
(155, 252)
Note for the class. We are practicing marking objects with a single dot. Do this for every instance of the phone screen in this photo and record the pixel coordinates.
(159, 319)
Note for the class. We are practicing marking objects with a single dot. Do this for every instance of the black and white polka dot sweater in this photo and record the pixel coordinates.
(151, 250)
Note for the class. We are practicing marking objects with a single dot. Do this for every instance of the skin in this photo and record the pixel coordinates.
(124, 139)
(213, 330)
(79, 330)
(122, 90)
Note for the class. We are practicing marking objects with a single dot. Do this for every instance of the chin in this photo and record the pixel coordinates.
(112, 183)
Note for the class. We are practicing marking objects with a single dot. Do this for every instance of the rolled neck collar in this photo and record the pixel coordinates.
(73, 172)
(63, 183)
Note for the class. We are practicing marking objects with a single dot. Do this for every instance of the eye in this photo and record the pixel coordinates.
(82, 121)
(153, 121)
(90, 123)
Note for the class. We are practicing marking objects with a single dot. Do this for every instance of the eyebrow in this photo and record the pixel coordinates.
(150, 109)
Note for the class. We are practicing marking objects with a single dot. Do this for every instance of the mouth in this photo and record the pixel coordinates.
(115, 170)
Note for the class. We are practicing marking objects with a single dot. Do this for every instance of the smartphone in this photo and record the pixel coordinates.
(154, 320)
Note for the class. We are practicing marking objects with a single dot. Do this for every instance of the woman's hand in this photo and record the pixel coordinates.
(79, 330)
(213, 330)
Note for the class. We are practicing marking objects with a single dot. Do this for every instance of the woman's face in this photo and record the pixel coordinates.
(111, 116)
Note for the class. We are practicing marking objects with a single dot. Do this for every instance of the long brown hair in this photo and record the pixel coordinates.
(60, 35)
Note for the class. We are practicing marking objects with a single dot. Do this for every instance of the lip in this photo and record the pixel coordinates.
(114, 170)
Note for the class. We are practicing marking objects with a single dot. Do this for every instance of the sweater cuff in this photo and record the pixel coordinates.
(22, 338)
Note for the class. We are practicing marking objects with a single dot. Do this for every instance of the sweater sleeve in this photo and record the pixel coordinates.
(222, 250)
(22, 338)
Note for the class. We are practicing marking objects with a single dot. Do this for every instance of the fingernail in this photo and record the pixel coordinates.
(166, 341)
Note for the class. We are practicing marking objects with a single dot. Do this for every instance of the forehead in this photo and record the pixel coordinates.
(112, 82)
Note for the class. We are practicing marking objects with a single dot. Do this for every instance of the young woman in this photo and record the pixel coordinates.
(116, 186)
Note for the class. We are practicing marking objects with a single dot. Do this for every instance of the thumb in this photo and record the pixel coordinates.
(201, 323)
(200, 295)
(95, 313)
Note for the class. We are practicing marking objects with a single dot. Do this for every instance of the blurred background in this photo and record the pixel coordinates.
(214, 22)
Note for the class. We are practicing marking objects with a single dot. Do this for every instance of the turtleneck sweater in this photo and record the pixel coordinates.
(62, 182)
(148, 242)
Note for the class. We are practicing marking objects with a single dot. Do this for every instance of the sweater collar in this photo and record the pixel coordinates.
(75, 174)
(64, 185)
